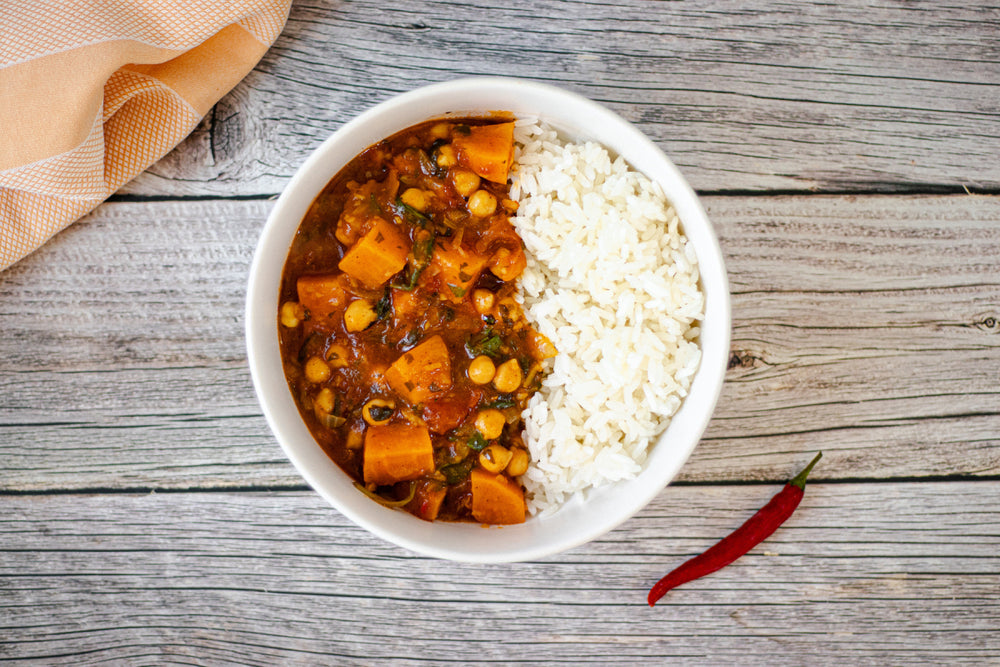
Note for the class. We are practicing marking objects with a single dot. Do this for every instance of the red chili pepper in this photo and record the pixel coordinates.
(756, 529)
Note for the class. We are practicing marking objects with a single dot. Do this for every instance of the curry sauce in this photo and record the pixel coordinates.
(403, 344)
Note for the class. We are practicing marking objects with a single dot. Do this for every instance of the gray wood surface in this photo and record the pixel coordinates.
(865, 327)
(848, 154)
(804, 96)
(863, 574)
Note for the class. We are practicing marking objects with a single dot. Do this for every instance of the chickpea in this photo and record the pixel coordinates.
(508, 376)
(482, 370)
(507, 265)
(465, 182)
(378, 411)
(355, 439)
(416, 198)
(324, 400)
(482, 204)
(446, 156)
(494, 458)
(490, 423)
(518, 464)
(336, 356)
(483, 300)
(316, 370)
(292, 314)
(359, 316)
(441, 130)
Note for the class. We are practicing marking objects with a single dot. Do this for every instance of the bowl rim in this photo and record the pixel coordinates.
(506, 544)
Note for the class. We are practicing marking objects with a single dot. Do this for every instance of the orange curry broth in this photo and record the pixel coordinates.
(402, 343)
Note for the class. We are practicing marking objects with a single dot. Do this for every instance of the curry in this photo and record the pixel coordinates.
(402, 339)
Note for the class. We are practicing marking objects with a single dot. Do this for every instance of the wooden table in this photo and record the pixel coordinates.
(848, 155)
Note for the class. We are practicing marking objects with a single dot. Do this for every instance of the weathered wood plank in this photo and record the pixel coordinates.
(866, 327)
(860, 95)
(858, 328)
(862, 574)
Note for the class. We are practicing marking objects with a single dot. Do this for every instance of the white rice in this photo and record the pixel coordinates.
(613, 283)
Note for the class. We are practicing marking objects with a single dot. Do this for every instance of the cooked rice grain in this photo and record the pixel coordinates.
(613, 283)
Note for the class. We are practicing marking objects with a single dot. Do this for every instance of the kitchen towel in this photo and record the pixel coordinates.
(92, 92)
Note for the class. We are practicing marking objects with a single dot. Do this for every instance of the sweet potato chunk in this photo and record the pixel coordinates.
(496, 499)
(361, 205)
(397, 452)
(487, 150)
(378, 255)
(421, 373)
(540, 346)
(323, 295)
(406, 307)
(428, 499)
(458, 269)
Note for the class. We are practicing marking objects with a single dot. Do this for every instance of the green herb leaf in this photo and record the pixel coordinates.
(411, 282)
(456, 473)
(384, 306)
(488, 345)
(410, 214)
(502, 403)
(423, 251)
(477, 441)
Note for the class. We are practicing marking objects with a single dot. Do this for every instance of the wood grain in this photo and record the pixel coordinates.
(862, 96)
(858, 328)
(865, 327)
(861, 574)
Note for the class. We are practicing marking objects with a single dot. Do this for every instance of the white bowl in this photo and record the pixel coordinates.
(576, 522)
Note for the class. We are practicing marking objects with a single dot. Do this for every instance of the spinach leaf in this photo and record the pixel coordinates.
(502, 403)
(409, 214)
(488, 344)
(477, 441)
(384, 306)
(456, 473)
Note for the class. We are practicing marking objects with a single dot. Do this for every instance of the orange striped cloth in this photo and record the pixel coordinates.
(92, 92)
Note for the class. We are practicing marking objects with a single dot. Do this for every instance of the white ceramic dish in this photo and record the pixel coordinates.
(576, 522)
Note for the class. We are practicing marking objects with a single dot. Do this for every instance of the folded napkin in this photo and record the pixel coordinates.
(92, 92)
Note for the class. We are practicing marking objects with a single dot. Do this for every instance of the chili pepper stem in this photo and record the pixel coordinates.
(800, 479)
